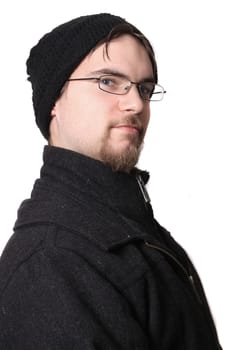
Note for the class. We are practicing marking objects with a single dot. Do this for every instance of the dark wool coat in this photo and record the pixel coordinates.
(89, 268)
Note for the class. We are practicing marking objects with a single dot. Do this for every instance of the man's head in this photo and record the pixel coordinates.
(84, 115)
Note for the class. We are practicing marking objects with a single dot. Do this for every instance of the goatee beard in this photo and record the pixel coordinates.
(126, 159)
(121, 161)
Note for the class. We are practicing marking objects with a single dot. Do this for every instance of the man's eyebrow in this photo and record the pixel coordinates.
(108, 71)
(118, 74)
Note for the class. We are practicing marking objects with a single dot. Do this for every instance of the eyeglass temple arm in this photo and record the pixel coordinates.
(159, 92)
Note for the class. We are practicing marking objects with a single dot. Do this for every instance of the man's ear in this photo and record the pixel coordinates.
(53, 126)
(53, 111)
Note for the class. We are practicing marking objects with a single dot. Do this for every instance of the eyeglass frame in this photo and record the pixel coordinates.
(138, 85)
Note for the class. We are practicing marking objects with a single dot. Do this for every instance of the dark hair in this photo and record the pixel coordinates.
(127, 28)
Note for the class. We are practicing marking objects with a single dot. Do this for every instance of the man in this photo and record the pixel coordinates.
(88, 266)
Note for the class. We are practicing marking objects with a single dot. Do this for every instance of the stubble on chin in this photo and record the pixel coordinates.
(121, 160)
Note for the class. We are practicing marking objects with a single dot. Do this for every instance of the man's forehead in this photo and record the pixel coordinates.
(122, 54)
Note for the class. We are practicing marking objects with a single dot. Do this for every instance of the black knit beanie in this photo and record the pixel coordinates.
(56, 56)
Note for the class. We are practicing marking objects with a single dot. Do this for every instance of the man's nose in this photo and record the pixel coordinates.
(132, 100)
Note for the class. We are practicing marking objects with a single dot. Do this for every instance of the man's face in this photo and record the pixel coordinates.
(104, 126)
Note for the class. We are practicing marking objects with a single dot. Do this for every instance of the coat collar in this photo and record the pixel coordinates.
(84, 195)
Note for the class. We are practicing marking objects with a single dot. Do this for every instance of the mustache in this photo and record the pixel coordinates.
(133, 121)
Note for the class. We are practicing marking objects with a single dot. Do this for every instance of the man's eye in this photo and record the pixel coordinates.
(108, 81)
(147, 89)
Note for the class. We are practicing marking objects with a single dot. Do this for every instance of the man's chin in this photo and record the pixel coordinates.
(123, 159)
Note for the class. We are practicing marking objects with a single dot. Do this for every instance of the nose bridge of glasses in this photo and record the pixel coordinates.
(125, 85)
(129, 84)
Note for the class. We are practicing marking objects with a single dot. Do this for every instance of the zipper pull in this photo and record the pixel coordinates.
(193, 284)
(143, 188)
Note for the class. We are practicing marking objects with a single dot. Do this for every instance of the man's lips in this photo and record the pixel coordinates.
(129, 128)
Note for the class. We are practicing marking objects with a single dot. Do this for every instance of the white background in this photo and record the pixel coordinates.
(189, 146)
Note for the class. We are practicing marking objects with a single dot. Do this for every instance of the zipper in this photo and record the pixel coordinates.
(188, 276)
(192, 283)
(143, 188)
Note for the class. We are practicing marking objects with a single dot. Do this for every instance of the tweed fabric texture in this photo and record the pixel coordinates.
(77, 273)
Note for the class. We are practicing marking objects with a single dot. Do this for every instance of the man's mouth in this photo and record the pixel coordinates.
(128, 128)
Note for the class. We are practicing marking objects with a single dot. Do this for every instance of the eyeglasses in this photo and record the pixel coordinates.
(120, 85)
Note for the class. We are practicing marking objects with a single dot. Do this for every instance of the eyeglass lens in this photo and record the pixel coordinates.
(121, 85)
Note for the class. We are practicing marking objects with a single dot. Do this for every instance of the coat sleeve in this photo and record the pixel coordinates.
(55, 300)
